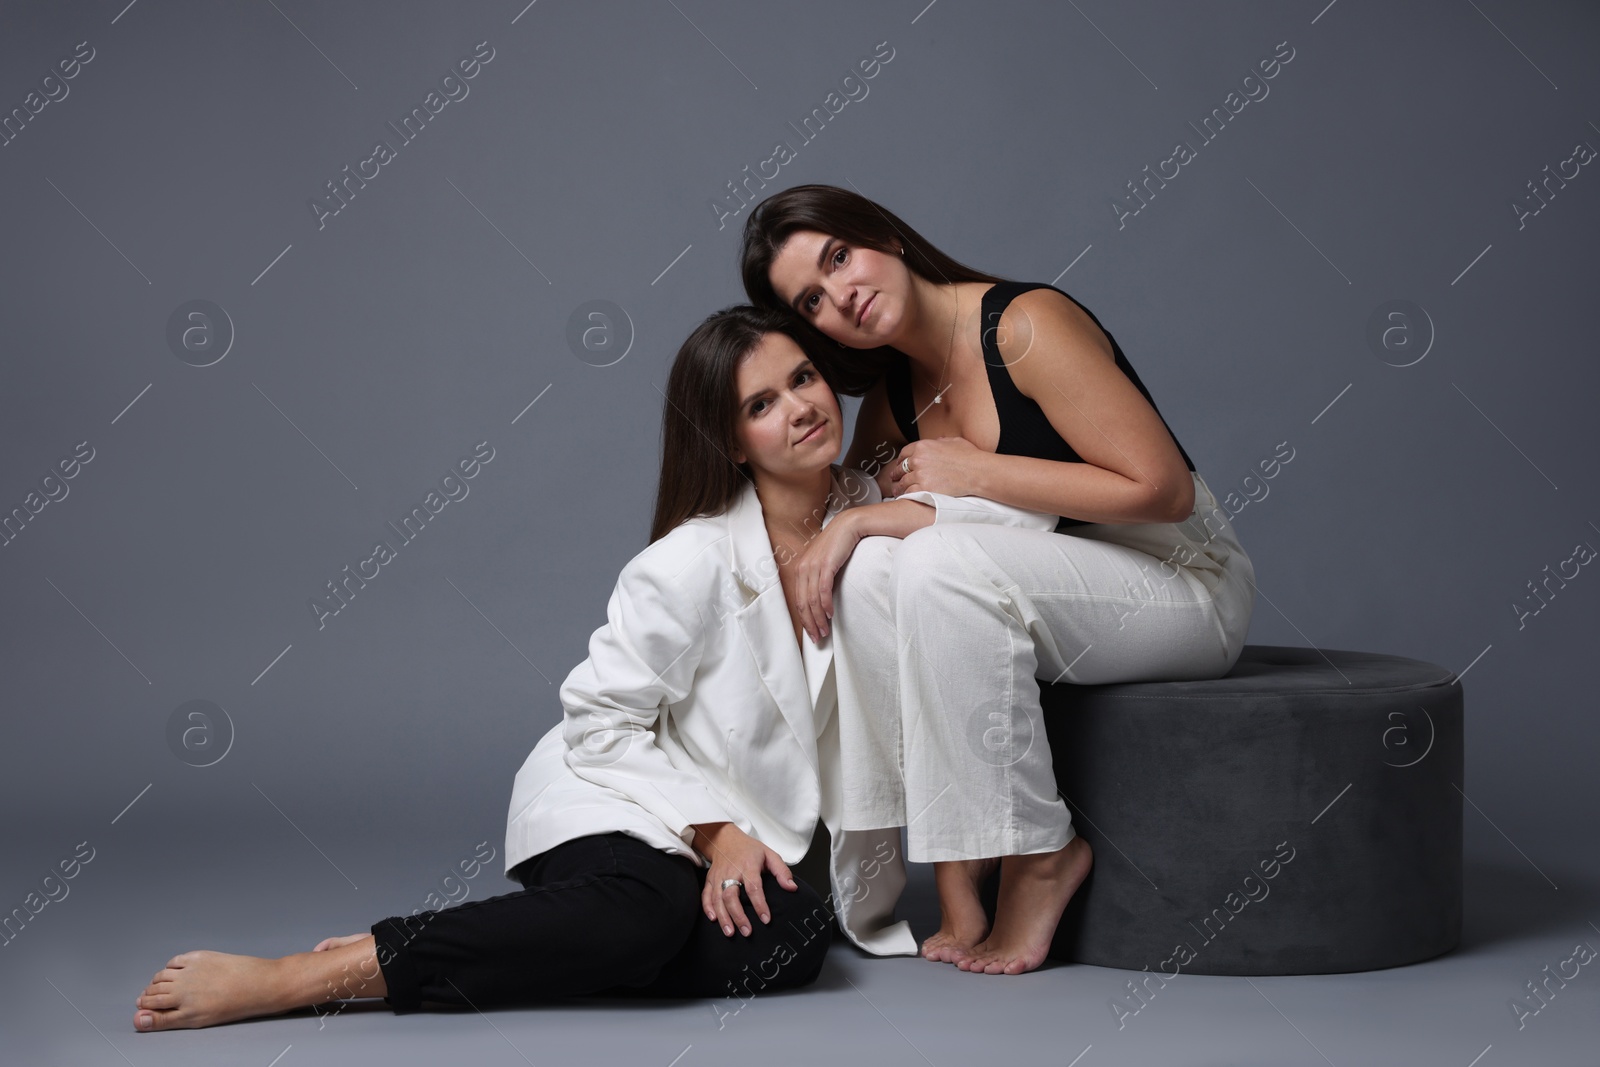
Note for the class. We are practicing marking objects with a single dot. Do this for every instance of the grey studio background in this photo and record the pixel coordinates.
(1382, 263)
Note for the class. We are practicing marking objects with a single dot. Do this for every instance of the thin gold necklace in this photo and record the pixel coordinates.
(955, 315)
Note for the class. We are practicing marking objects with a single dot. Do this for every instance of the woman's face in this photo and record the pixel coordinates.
(787, 419)
(855, 295)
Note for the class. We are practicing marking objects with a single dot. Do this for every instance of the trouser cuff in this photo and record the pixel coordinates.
(1047, 839)
(405, 989)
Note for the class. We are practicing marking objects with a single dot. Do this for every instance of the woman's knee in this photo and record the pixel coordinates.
(932, 562)
(806, 923)
(872, 556)
(866, 572)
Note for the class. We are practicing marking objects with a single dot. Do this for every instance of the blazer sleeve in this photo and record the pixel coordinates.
(614, 702)
(864, 490)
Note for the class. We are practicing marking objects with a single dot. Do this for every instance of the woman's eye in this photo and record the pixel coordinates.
(836, 255)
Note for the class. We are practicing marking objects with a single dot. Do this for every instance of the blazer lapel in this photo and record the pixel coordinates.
(819, 662)
(794, 681)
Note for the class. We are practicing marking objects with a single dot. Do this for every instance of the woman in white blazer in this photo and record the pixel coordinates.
(653, 828)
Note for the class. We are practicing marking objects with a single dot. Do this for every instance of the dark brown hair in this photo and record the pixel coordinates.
(856, 220)
(698, 474)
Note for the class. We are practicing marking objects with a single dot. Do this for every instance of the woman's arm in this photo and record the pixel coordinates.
(811, 592)
(642, 660)
(889, 518)
(873, 518)
(1132, 470)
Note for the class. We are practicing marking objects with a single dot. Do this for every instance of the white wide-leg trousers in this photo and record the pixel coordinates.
(941, 638)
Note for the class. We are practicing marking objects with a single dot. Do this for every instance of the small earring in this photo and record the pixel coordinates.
(902, 251)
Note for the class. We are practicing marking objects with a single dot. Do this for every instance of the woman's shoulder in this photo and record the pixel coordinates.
(1027, 295)
(1033, 312)
(1043, 299)
(689, 556)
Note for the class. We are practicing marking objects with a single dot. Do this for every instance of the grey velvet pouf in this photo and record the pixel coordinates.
(1300, 815)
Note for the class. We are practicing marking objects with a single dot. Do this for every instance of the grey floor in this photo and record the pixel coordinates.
(68, 980)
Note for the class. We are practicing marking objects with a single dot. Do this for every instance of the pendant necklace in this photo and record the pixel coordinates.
(938, 398)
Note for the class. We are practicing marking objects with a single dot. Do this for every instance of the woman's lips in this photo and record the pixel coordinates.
(866, 308)
(813, 432)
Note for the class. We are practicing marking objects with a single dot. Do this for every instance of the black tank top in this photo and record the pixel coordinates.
(1024, 428)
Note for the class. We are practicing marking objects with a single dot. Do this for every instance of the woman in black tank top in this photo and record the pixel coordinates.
(1025, 430)
(1075, 446)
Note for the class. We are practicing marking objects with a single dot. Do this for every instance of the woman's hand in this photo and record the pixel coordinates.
(338, 942)
(884, 476)
(735, 854)
(948, 465)
(811, 586)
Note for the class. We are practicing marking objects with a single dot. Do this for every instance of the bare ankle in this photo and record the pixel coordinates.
(343, 973)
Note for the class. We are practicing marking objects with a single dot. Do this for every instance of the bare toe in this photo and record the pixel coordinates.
(157, 1020)
(947, 947)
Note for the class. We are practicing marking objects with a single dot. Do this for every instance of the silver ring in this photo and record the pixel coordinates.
(728, 882)
(905, 464)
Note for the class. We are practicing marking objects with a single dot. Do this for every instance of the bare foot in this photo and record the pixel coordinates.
(963, 922)
(204, 988)
(1034, 891)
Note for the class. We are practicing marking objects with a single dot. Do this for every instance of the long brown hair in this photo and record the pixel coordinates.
(698, 474)
(859, 221)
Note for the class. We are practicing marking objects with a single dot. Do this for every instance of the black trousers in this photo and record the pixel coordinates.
(605, 915)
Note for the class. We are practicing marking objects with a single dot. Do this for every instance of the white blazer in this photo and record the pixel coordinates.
(697, 705)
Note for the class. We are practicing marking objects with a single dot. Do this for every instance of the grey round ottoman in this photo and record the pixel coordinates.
(1299, 816)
